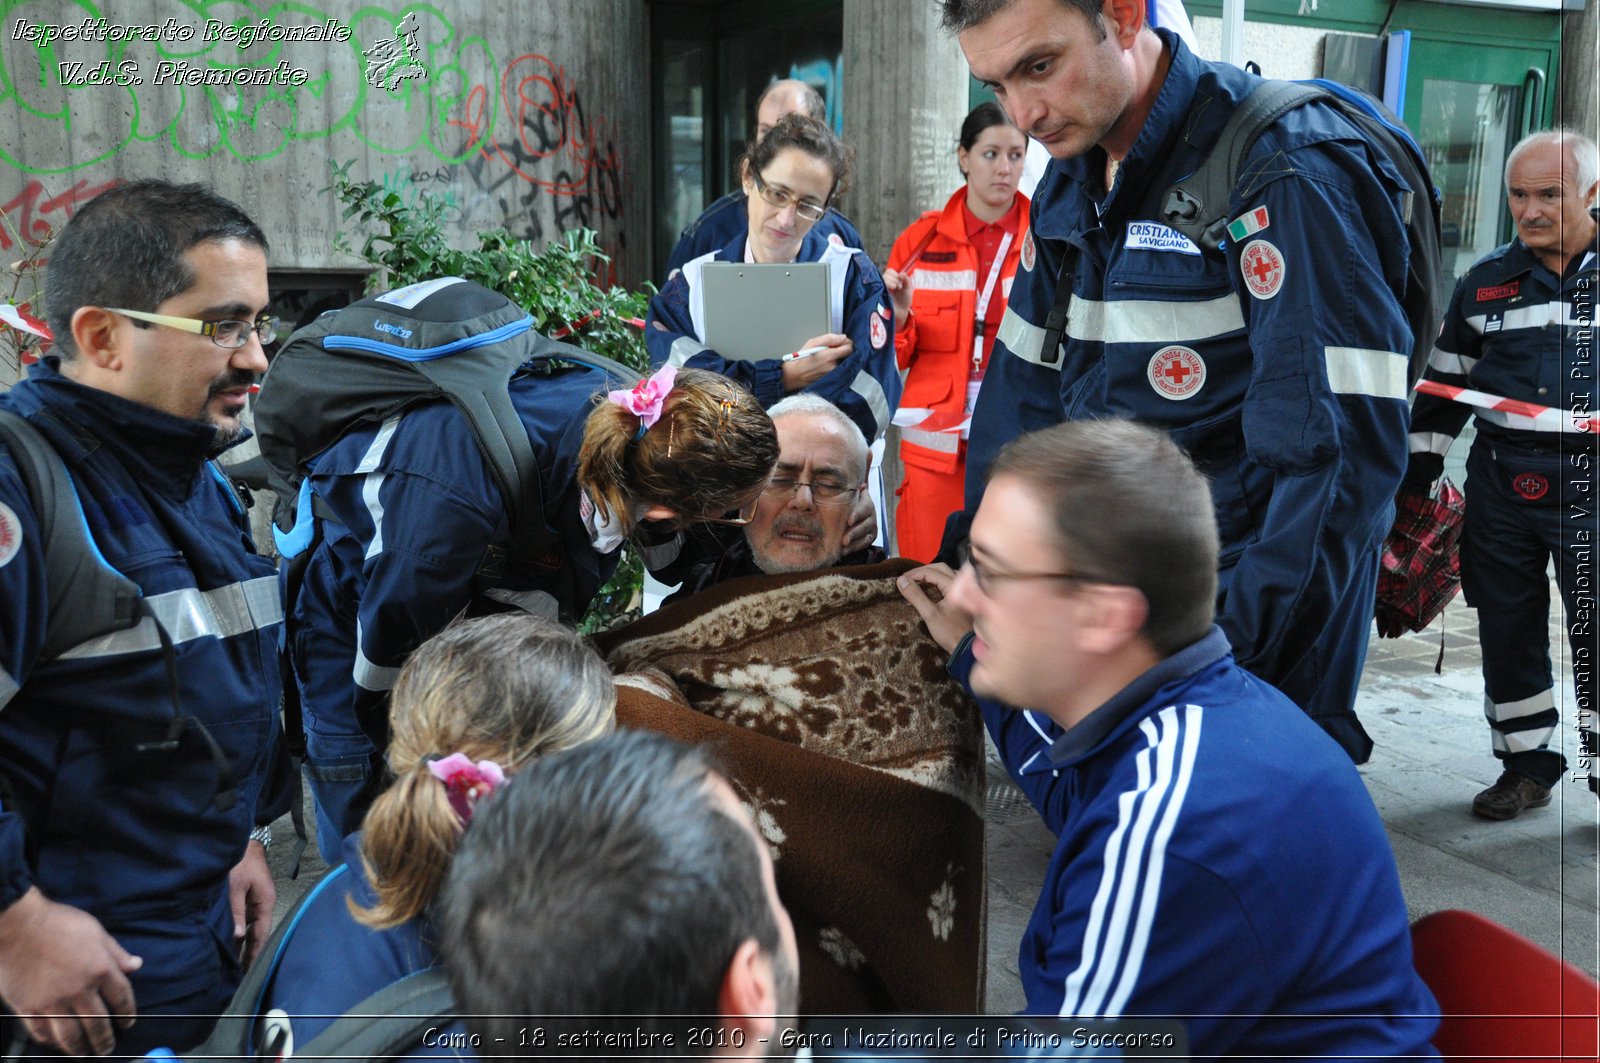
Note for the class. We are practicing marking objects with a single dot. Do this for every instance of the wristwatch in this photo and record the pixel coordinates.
(262, 835)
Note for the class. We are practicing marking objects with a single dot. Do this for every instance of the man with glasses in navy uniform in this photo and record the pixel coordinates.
(1218, 857)
(133, 765)
(801, 522)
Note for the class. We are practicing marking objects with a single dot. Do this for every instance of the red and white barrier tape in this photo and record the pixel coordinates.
(1517, 414)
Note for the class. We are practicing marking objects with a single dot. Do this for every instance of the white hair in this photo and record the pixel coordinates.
(803, 402)
(1580, 149)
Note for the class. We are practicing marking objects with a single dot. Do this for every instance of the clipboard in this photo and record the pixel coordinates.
(755, 311)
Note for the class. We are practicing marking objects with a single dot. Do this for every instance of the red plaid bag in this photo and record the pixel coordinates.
(1421, 567)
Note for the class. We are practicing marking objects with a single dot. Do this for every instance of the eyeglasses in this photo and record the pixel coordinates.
(823, 492)
(229, 334)
(989, 581)
(806, 208)
(747, 513)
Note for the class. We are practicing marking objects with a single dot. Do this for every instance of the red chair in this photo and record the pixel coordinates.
(1501, 997)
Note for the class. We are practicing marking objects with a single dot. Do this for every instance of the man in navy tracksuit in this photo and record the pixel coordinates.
(726, 218)
(133, 764)
(1521, 326)
(1278, 363)
(1218, 858)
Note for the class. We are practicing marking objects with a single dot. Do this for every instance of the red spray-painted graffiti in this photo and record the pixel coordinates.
(27, 214)
(553, 147)
(31, 217)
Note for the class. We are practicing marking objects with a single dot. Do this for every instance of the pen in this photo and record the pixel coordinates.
(807, 353)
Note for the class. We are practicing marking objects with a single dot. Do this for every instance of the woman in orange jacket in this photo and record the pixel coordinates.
(948, 276)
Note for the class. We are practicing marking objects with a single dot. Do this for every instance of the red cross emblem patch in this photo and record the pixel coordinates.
(10, 535)
(1027, 252)
(880, 334)
(1177, 373)
(1530, 485)
(1262, 266)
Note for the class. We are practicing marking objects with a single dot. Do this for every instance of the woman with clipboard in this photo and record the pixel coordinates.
(790, 176)
(948, 276)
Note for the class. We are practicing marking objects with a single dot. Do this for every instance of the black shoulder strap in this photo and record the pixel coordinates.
(87, 597)
(1197, 206)
(1055, 323)
(388, 1023)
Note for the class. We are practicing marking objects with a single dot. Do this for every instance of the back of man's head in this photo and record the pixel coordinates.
(787, 96)
(125, 247)
(605, 880)
(1128, 506)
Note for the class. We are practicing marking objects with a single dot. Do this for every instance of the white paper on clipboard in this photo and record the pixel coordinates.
(763, 310)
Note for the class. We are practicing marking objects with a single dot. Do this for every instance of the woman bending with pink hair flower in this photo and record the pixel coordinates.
(416, 532)
(473, 705)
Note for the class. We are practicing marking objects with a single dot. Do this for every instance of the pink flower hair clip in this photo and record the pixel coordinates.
(466, 783)
(647, 397)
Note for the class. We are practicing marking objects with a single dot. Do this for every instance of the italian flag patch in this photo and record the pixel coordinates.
(1247, 224)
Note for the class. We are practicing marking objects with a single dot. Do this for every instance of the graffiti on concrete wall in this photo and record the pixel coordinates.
(34, 215)
(510, 143)
(544, 142)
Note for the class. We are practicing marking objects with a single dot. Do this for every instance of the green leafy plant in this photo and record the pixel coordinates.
(409, 241)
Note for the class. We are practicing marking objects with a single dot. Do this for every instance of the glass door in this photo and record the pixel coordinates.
(1468, 105)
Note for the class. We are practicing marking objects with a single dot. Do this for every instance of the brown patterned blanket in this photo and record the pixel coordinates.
(861, 760)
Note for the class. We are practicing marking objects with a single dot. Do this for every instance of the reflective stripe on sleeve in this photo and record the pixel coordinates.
(1429, 443)
(1445, 362)
(1358, 371)
(1024, 339)
(369, 676)
(536, 603)
(866, 385)
(191, 614)
(8, 688)
(683, 349)
(373, 485)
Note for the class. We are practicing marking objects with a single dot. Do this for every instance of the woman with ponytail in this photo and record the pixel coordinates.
(416, 532)
(473, 705)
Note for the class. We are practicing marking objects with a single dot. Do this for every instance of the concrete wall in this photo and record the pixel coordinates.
(1578, 98)
(532, 115)
(1281, 51)
(905, 97)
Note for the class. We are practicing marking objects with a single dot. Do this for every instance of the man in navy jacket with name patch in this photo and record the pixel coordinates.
(1218, 857)
(134, 763)
(1279, 362)
(1521, 326)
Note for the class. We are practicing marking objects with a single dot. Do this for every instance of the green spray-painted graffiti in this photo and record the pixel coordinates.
(236, 79)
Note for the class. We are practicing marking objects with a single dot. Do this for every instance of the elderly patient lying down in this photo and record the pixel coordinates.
(860, 758)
